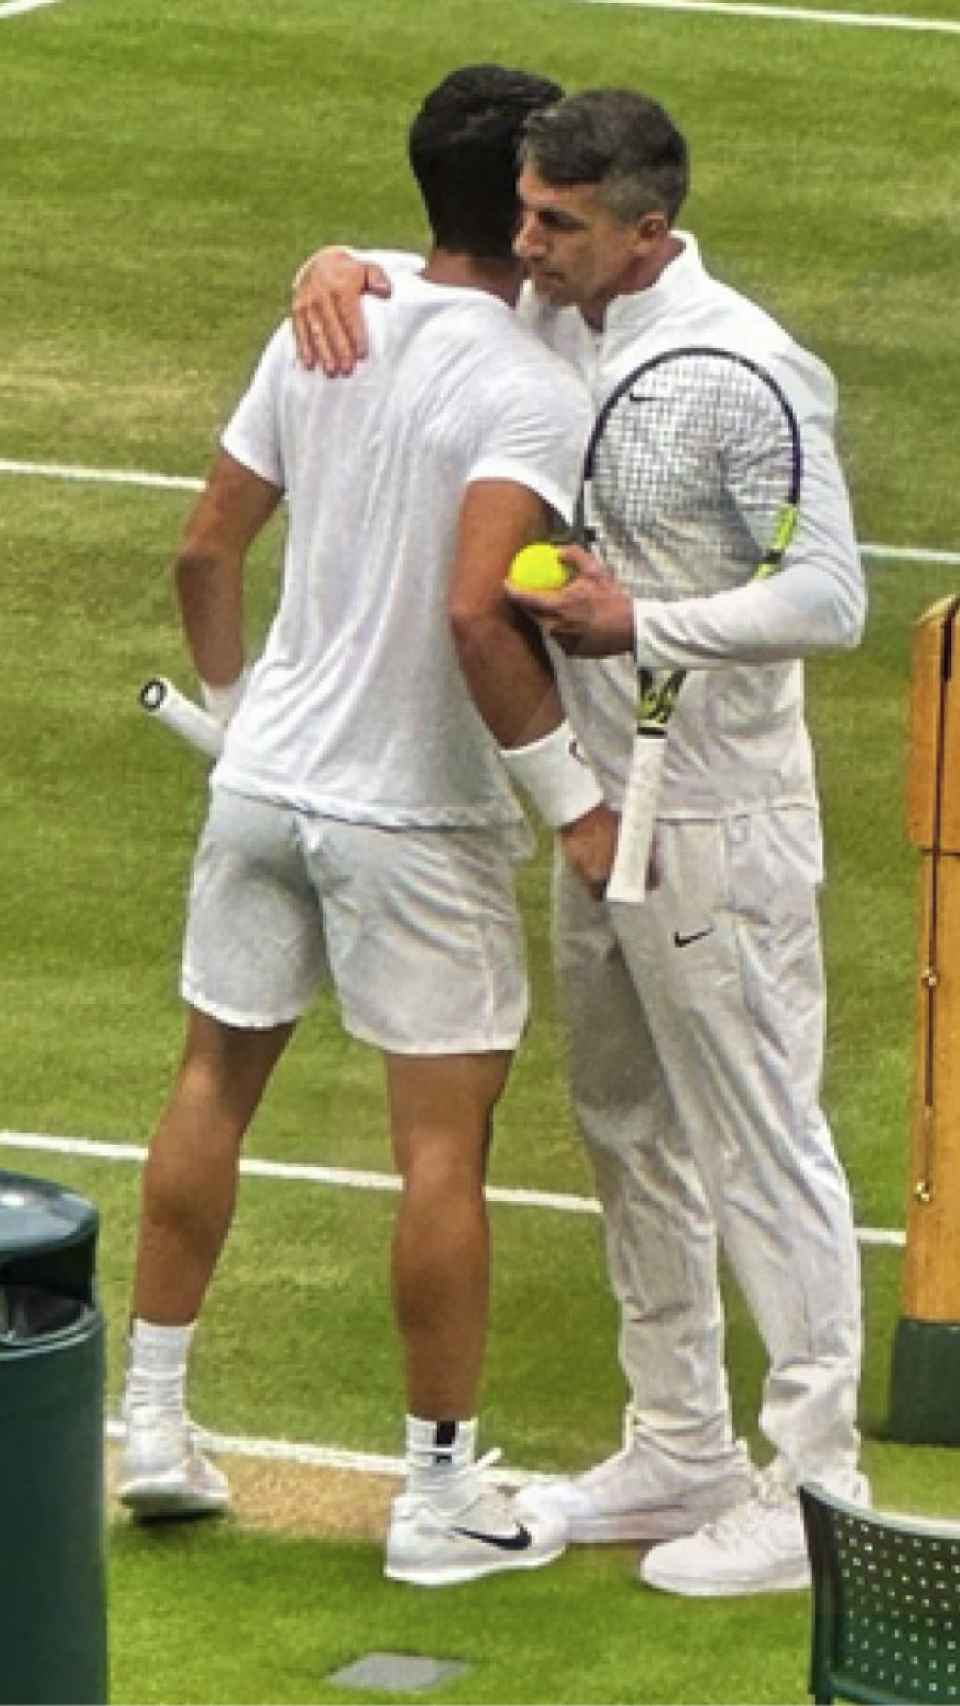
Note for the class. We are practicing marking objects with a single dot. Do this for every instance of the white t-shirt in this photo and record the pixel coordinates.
(357, 707)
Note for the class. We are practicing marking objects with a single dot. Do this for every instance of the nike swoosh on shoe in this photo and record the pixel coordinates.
(516, 1542)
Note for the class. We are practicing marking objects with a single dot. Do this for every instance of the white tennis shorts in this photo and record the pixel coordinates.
(417, 930)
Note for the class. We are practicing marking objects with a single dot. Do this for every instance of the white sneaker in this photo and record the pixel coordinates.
(759, 1547)
(434, 1547)
(640, 1493)
(162, 1471)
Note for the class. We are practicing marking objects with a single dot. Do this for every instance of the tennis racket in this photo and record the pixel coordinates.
(190, 721)
(691, 483)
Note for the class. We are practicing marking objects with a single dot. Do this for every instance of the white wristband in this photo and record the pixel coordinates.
(558, 780)
(222, 702)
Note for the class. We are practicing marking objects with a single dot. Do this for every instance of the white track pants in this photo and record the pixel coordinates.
(696, 1037)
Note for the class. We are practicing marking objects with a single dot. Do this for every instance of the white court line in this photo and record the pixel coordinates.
(300, 1452)
(286, 1451)
(10, 8)
(93, 1149)
(792, 14)
(109, 476)
(904, 555)
(183, 483)
(344, 1177)
(319, 1456)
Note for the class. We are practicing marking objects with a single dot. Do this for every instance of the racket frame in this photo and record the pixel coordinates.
(657, 691)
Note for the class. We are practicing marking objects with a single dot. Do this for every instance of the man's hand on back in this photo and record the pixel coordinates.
(328, 320)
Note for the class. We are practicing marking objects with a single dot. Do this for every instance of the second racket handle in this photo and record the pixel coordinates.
(160, 699)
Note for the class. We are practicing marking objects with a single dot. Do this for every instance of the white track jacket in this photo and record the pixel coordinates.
(738, 739)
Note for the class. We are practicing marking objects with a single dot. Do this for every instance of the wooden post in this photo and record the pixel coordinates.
(925, 1379)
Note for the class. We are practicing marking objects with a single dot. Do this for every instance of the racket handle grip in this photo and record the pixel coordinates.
(628, 879)
(160, 699)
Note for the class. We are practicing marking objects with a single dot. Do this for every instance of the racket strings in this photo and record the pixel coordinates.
(691, 480)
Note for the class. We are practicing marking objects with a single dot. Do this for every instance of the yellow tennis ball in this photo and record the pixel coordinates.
(538, 568)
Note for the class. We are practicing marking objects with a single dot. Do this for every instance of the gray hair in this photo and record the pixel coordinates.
(619, 140)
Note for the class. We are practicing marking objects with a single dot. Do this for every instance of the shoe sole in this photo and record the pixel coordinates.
(702, 1587)
(640, 1526)
(149, 1496)
(667, 1522)
(454, 1573)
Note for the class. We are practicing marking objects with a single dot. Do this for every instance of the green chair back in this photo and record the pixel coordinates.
(886, 1604)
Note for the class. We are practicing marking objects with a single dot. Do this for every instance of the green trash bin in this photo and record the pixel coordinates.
(53, 1638)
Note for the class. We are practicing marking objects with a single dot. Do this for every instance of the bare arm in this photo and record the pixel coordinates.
(233, 508)
(503, 658)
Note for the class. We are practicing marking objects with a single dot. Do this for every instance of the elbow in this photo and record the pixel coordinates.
(478, 618)
(831, 617)
(461, 626)
(198, 572)
(193, 562)
(852, 621)
(474, 628)
(838, 631)
(193, 572)
(845, 605)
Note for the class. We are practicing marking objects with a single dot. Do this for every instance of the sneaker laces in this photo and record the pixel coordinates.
(487, 1460)
(458, 1489)
(771, 1493)
(473, 1483)
(494, 1501)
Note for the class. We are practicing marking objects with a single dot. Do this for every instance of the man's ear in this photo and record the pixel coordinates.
(652, 228)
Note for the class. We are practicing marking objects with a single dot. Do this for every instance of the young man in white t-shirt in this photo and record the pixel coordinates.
(362, 827)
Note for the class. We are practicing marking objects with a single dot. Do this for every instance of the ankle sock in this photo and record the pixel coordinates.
(440, 1454)
(157, 1365)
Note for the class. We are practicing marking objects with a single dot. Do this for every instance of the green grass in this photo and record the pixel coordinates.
(514, 1637)
(164, 170)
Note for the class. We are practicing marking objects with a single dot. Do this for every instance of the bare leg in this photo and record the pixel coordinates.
(450, 1524)
(440, 1111)
(189, 1181)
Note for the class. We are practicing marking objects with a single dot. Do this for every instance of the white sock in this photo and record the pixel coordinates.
(439, 1455)
(157, 1366)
